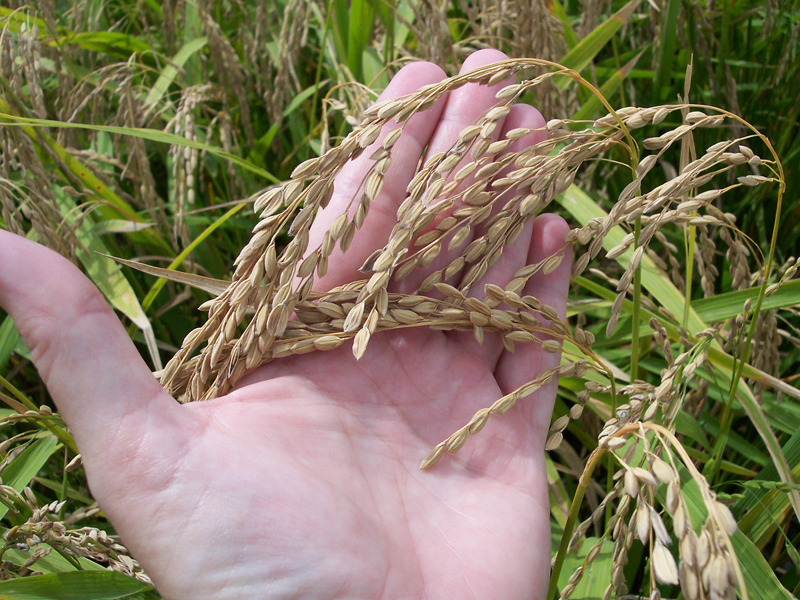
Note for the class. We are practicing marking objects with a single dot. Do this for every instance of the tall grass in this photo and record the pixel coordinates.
(148, 132)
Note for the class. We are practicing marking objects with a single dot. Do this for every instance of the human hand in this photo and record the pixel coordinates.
(304, 480)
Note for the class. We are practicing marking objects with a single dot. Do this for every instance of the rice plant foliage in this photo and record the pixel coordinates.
(673, 387)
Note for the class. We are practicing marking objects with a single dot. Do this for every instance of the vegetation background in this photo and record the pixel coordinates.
(144, 130)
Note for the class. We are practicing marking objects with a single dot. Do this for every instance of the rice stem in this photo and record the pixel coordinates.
(637, 298)
(574, 508)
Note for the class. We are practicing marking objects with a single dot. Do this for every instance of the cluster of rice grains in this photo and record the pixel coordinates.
(652, 461)
(480, 181)
(39, 529)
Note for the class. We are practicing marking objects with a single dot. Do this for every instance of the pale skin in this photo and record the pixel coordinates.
(304, 481)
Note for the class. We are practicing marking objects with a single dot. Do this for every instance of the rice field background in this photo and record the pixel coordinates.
(162, 133)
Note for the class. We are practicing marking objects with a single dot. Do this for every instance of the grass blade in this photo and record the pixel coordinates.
(594, 581)
(75, 585)
(593, 106)
(729, 304)
(169, 72)
(20, 471)
(570, 37)
(9, 335)
(582, 54)
(163, 137)
(666, 51)
(106, 275)
(53, 562)
(208, 284)
(151, 295)
(107, 42)
(359, 34)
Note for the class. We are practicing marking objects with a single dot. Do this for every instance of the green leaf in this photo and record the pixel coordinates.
(595, 578)
(15, 18)
(55, 562)
(359, 34)
(192, 29)
(119, 226)
(726, 465)
(338, 10)
(582, 54)
(376, 75)
(761, 521)
(8, 340)
(22, 349)
(404, 15)
(687, 425)
(738, 444)
(764, 509)
(728, 305)
(75, 585)
(106, 41)
(58, 488)
(760, 579)
(106, 275)
(169, 72)
(570, 37)
(163, 137)
(24, 467)
(298, 100)
(667, 45)
(151, 295)
(792, 452)
(593, 105)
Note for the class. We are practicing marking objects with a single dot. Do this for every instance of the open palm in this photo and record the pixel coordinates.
(304, 482)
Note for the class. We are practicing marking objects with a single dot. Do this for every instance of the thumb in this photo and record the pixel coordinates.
(102, 387)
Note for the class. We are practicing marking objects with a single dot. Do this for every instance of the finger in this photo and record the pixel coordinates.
(464, 107)
(89, 364)
(515, 255)
(467, 103)
(382, 215)
(516, 369)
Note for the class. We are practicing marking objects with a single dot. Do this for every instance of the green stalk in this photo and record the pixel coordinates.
(22, 398)
(318, 76)
(609, 482)
(63, 493)
(64, 437)
(689, 269)
(388, 9)
(610, 471)
(712, 467)
(637, 298)
(577, 499)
